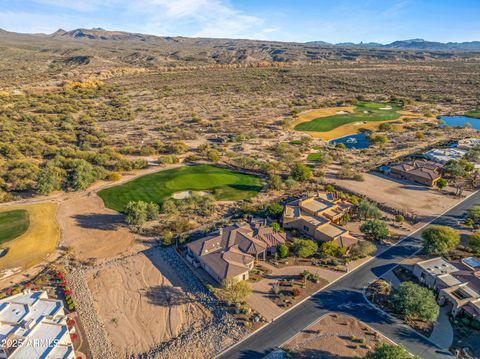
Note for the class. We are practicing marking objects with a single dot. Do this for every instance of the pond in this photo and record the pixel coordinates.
(357, 141)
(461, 121)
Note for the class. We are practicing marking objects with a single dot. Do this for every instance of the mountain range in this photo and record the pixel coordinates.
(412, 44)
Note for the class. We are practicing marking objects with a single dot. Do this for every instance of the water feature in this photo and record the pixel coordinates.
(461, 121)
(357, 141)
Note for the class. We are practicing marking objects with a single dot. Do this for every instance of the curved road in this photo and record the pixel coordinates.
(345, 296)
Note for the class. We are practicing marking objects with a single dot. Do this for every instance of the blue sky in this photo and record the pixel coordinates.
(284, 20)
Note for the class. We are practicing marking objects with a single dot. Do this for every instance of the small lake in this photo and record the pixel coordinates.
(460, 121)
(357, 141)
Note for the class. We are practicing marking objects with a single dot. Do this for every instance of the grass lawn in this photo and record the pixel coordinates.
(13, 224)
(37, 239)
(225, 184)
(364, 112)
(474, 114)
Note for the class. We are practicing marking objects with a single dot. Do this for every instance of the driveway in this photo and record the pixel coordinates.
(346, 296)
(442, 333)
(261, 290)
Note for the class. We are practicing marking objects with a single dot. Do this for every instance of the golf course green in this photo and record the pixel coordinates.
(13, 224)
(473, 114)
(363, 112)
(225, 184)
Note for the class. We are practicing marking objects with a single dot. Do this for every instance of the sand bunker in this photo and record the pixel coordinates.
(188, 194)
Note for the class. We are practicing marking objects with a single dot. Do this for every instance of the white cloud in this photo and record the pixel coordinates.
(200, 18)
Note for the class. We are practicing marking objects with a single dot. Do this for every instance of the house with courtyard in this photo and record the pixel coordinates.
(318, 217)
(232, 252)
(457, 283)
(33, 326)
(419, 171)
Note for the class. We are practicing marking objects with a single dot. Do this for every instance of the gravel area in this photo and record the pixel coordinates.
(220, 332)
(97, 337)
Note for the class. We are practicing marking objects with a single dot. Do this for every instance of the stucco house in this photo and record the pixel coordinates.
(420, 171)
(232, 252)
(457, 283)
(318, 217)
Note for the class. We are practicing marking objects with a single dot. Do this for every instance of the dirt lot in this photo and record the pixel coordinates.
(142, 306)
(334, 336)
(92, 230)
(408, 196)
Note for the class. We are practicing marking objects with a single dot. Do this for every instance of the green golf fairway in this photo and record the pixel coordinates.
(225, 184)
(13, 224)
(473, 114)
(363, 112)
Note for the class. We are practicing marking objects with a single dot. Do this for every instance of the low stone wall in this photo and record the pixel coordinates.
(97, 337)
(221, 330)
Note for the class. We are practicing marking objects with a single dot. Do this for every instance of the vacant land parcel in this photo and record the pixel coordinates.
(225, 184)
(142, 304)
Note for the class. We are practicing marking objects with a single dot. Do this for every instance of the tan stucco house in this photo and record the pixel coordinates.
(232, 252)
(318, 217)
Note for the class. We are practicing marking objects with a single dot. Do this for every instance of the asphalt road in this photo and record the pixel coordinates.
(345, 296)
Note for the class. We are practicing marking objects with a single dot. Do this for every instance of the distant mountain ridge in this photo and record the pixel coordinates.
(412, 44)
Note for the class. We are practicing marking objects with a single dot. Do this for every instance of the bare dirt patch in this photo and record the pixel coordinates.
(141, 302)
(403, 195)
(334, 336)
(92, 230)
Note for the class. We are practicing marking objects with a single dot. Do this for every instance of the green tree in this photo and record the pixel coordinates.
(22, 175)
(283, 251)
(474, 214)
(399, 218)
(414, 301)
(213, 155)
(367, 210)
(332, 249)
(153, 211)
(474, 242)
(329, 188)
(276, 227)
(375, 229)
(274, 210)
(440, 239)
(235, 291)
(363, 249)
(305, 248)
(301, 172)
(169, 207)
(274, 182)
(80, 175)
(136, 213)
(50, 178)
(442, 183)
(389, 351)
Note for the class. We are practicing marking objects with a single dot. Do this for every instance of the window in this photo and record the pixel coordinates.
(306, 229)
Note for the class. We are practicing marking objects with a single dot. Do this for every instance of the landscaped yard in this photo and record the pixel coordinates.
(363, 112)
(224, 184)
(13, 224)
(35, 239)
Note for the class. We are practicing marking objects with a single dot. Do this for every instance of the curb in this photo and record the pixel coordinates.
(346, 274)
(390, 316)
